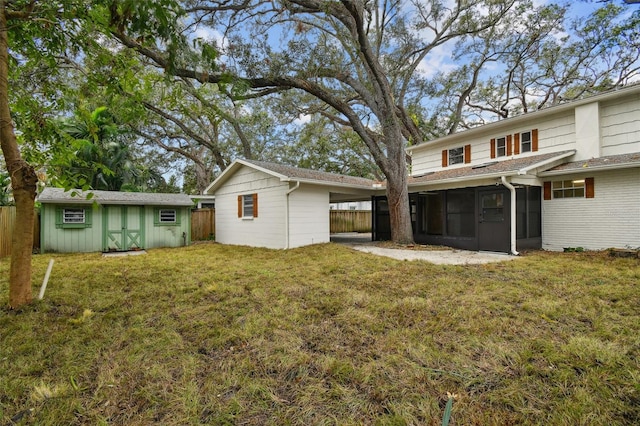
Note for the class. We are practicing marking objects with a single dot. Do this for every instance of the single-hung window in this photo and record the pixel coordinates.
(501, 146)
(456, 155)
(73, 216)
(525, 142)
(167, 216)
(248, 206)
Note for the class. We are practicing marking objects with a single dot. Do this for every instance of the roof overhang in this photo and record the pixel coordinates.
(469, 175)
(89, 197)
(332, 185)
(497, 126)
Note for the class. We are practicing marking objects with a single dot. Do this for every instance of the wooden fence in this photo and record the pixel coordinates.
(203, 224)
(7, 220)
(349, 221)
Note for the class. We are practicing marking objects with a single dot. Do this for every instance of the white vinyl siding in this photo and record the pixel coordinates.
(555, 133)
(266, 230)
(610, 219)
(620, 126)
(308, 216)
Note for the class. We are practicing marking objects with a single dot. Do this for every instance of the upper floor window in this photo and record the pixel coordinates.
(508, 145)
(456, 155)
(525, 142)
(459, 155)
(501, 146)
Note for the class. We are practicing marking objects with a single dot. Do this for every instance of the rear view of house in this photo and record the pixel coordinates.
(565, 176)
(76, 221)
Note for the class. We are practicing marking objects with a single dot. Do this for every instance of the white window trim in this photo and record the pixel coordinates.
(164, 220)
(70, 216)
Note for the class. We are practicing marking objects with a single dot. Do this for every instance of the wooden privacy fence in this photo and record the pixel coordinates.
(7, 220)
(203, 224)
(349, 221)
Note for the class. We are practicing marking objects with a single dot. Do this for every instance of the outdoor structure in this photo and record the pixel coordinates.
(270, 205)
(563, 177)
(567, 176)
(76, 221)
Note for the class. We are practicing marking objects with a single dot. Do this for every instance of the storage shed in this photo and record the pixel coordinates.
(77, 221)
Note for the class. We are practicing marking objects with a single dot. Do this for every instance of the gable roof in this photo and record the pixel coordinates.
(289, 173)
(76, 196)
(513, 167)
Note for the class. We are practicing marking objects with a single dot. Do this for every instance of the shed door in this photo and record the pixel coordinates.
(124, 228)
(493, 222)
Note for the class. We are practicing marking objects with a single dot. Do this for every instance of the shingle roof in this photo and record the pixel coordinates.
(632, 159)
(504, 167)
(59, 195)
(313, 175)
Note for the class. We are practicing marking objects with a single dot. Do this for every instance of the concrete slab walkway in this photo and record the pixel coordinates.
(362, 242)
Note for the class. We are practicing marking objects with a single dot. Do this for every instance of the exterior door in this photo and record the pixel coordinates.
(124, 228)
(494, 220)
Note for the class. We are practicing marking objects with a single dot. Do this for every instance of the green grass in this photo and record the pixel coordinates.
(322, 335)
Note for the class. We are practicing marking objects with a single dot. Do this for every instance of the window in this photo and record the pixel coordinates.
(501, 147)
(525, 142)
(577, 188)
(568, 188)
(514, 144)
(73, 216)
(456, 155)
(248, 206)
(167, 216)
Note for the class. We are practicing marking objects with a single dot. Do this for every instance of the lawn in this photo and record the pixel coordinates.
(322, 335)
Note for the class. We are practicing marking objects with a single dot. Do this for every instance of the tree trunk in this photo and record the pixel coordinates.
(397, 190)
(24, 182)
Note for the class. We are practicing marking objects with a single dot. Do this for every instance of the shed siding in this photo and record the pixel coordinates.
(620, 121)
(167, 235)
(555, 133)
(610, 219)
(86, 240)
(266, 230)
(66, 240)
(308, 216)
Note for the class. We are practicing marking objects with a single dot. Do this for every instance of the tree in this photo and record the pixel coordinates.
(359, 62)
(33, 35)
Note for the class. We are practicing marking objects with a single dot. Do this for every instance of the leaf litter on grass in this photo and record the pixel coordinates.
(214, 334)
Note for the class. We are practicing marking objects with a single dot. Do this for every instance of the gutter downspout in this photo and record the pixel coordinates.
(286, 215)
(512, 189)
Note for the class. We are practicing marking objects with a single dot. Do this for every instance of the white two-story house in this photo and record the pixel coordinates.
(565, 176)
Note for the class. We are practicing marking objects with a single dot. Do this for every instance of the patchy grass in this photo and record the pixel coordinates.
(324, 335)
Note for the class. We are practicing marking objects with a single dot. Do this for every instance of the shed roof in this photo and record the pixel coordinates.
(76, 196)
(516, 166)
(620, 161)
(289, 173)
